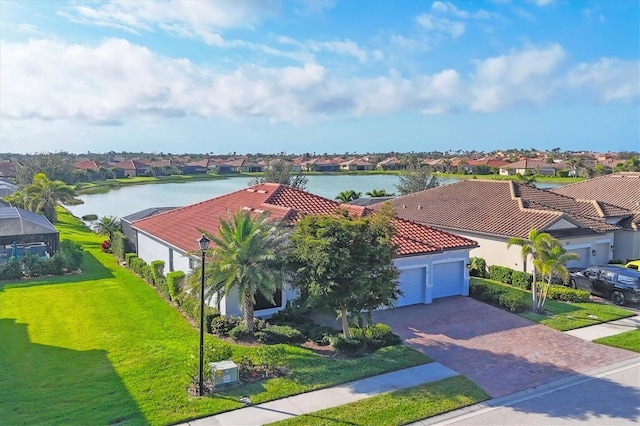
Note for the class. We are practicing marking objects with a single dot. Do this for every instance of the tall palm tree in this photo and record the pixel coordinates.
(107, 225)
(533, 246)
(526, 179)
(553, 262)
(44, 195)
(247, 257)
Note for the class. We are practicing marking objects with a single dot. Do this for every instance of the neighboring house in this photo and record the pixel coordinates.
(432, 263)
(391, 164)
(208, 165)
(7, 188)
(244, 166)
(620, 189)
(131, 168)
(356, 164)
(126, 221)
(7, 168)
(530, 167)
(491, 211)
(22, 231)
(320, 165)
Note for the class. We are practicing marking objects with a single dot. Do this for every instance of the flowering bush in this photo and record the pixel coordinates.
(106, 246)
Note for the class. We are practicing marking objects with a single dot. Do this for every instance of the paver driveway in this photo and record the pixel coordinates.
(501, 352)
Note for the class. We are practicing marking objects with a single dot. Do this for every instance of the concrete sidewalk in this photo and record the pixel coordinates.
(326, 398)
(597, 331)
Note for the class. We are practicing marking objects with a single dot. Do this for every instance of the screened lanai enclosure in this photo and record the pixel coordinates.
(23, 232)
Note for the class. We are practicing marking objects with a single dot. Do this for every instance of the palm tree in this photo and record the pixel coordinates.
(107, 225)
(44, 195)
(350, 195)
(247, 257)
(526, 179)
(553, 262)
(533, 246)
(374, 193)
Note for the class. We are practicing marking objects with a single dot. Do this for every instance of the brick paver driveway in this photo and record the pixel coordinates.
(501, 352)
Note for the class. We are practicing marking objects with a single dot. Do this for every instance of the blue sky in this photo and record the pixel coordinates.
(319, 76)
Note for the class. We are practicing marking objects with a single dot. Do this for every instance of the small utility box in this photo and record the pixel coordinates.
(224, 373)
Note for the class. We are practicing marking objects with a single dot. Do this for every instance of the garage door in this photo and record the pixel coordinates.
(448, 279)
(602, 254)
(412, 284)
(585, 258)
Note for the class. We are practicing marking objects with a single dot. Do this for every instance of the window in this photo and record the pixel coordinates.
(263, 303)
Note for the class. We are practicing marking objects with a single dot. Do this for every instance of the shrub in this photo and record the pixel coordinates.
(119, 245)
(72, 253)
(217, 351)
(380, 335)
(11, 269)
(129, 257)
(293, 313)
(239, 332)
(137, 265)
(175, 281)
(512, 301)
(157, 276)
(352, 347)
(55, 264)
(566, 294)
(33, 265)
(222, 325)
(500, 273)
(322, 335)
(478, 267)
(279, 334)
(106, 246)
(146, 273)
(521, 280)
(498, 294)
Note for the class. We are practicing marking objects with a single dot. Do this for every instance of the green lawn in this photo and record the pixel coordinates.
(102, 347)
(628, 340)
(568, 316)
(399, 407)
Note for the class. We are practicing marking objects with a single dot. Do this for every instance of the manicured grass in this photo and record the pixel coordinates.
(629, 340)
(399, 407)
(102, 347)
(568, 316)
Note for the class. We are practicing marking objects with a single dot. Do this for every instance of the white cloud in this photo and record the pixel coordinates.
(520, 77)
(117, 81)
(611, 79)
(542, 3)
(441, 25)
(448, 7)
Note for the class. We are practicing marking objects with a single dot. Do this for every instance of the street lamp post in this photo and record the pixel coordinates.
(203, 242)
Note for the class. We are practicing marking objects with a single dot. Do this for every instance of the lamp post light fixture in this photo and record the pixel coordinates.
(203, 243)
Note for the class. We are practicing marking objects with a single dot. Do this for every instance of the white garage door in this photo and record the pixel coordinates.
(412, 284)
(448, 279)
(602, 254)
(585, 258)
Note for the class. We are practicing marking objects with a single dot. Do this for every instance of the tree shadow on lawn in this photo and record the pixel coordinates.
(47, 384)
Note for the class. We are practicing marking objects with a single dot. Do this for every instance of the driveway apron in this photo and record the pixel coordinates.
(501, 352)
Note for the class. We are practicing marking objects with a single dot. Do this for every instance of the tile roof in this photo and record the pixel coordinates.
(181, 227)
(531, 164)
(494, 207)
(620, 189)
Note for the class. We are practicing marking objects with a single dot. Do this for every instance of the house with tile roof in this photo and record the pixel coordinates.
(131, 168)
(619, 189)
(492, 211)
(354, 164)
(432, 262)
(530, 167)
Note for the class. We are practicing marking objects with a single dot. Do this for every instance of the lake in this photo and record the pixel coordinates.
(124, 201)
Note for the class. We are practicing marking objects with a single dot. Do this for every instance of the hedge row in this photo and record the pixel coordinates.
(510, 276)
(499, 295)
(68, 258)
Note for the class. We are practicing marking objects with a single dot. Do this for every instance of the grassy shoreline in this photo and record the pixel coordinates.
(100, 187)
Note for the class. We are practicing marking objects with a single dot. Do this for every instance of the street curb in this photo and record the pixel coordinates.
(523, 395)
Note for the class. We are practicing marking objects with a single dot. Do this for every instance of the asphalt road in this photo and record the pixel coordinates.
(607, 398)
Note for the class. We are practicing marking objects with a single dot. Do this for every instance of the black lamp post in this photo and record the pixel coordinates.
(203, 242)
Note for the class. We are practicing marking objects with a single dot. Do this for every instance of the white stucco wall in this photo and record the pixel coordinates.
(150, 249)
(627, 245)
